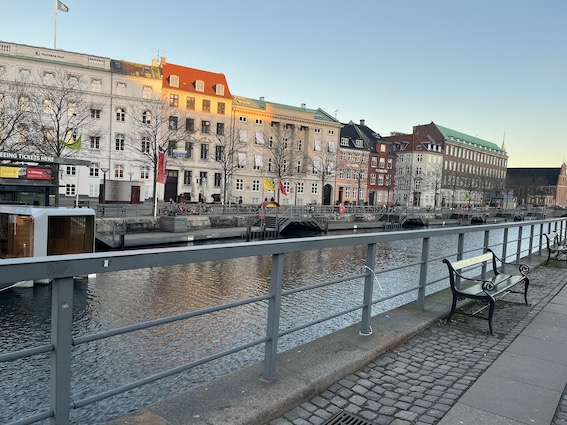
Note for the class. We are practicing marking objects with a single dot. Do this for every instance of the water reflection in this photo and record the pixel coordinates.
(123, 298)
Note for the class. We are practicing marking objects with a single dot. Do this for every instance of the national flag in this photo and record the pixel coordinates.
(162, 162)
(73, 144)
(62, 7)
(282, 188)
(269, 185)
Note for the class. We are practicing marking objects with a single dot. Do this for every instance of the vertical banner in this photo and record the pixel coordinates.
(162, 162)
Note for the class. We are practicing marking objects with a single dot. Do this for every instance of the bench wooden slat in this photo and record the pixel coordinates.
(463, 264)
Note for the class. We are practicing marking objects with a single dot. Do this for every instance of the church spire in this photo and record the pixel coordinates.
(504, 142)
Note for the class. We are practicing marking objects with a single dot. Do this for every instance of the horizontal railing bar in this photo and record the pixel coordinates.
(389, 297)
(322, 284)
(392, 269)
(317, 321)
(152, 378)
(46, 414)
(40, 349)
(165, 320)
(61, 266)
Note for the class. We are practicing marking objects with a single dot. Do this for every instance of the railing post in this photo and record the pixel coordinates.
(460, 249)
(504, 249)
(531, 245)
(486, 242)
(423, 274)
(365, 328)
(540, 239)
(273, 325)
(61, 326)
(519, 244)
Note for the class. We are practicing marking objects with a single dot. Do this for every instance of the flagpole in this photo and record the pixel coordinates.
(55, 30)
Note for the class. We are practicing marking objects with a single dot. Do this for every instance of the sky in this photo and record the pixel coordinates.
(493, 69)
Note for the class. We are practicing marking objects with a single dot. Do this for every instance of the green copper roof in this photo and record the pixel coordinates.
(457, 136)
(318, 114)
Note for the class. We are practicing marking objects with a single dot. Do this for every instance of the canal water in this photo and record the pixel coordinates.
(123, 298)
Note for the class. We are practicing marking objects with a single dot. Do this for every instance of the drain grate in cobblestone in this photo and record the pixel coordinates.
(344, 418)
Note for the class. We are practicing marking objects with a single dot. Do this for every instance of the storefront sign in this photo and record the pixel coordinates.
(17, 156)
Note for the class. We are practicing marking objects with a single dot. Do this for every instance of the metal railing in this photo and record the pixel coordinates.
(63, 268)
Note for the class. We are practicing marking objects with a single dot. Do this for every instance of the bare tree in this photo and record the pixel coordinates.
(159, 127)
(60, 114)
(279, 149)
(323, 162)
(14, 113)
(227, 149)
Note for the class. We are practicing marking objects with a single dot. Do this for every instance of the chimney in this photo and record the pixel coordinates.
(362, 122)
(154, 62)
(303, 105)
(162, 61)
(262, 98)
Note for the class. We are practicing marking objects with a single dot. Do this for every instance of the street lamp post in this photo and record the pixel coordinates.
(104, 171)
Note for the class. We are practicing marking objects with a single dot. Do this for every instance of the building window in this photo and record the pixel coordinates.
(317, 130)
(94, 142)
(219, 89)
(190, 103)
(187, 177)
(171, 146)
(206, 105)
(94, 170)
(70, 170)
(121, 89)
(372, 179)
(205, 126)
(119, 171)
(174, 100)
(221, 107)
(70, 189)
(255, 185)
(218, 180)
(373, 162)
(419, 157)
(95, 113)
(381, 180)
(314, 188)
(242, 119)
(344, 141)
(147, 92)
(389, 163)
(239, 184)
(96, 85)
(298, 167)
(299, 145)
(299, 187)
(120, 114)
(220, 129)
(204, 151)
(219, 151)
(173, 123)
(144, 173)
(174, 81)
(146, 144)
(189, 149)
(200, 85)
(146, 117)
(119, 142)
(189, 124)
(382, 162)
(259, 122)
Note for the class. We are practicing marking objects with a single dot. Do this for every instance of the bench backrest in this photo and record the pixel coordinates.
(457, 268)
(552, 239)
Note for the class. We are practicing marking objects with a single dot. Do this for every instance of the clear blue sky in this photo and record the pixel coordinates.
(484, 67)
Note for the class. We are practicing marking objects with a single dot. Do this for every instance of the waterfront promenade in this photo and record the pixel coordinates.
(413, 369)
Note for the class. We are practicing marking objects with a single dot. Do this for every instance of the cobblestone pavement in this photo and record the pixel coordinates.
(421, 379)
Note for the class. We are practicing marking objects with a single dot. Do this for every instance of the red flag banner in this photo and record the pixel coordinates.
(162, 162)
(282, 188)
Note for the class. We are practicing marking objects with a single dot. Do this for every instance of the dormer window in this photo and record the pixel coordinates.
(200, 85)
(219, 89)
(358, 143)
(344, 141)
(173, 81)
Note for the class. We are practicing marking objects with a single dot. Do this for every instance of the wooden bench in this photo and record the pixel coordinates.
(493, 287)
(555, 246)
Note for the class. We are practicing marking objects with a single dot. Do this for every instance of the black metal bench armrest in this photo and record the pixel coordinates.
(522, 267)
